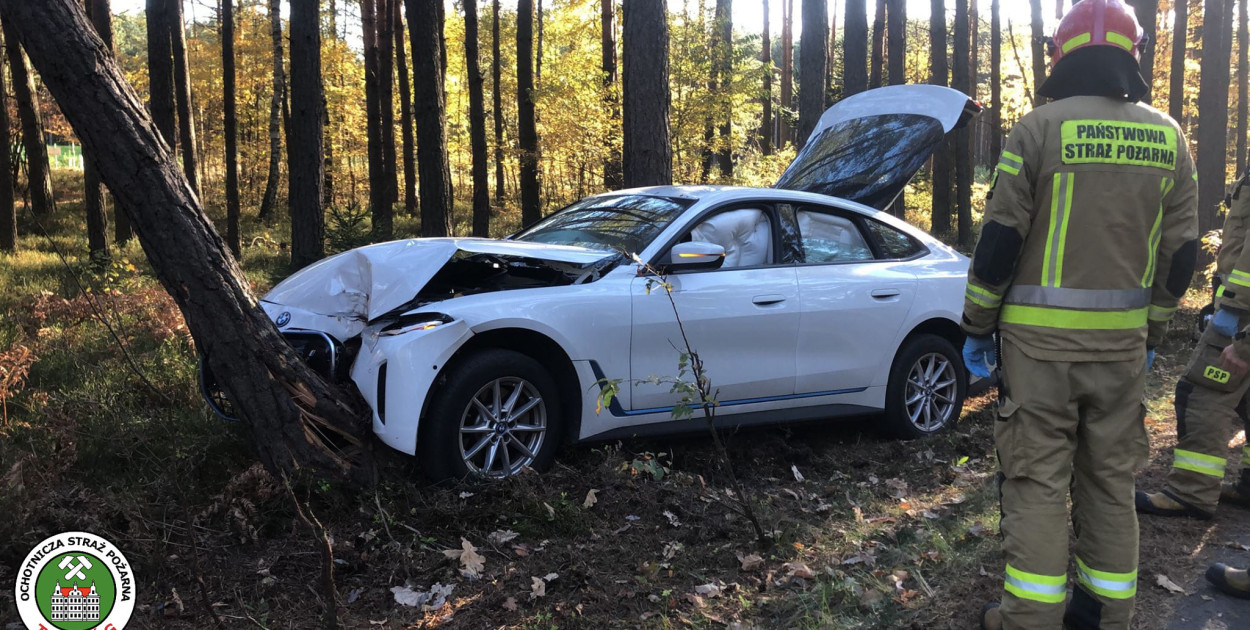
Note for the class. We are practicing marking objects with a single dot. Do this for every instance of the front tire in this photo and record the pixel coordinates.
(926, 390)
(498, 413)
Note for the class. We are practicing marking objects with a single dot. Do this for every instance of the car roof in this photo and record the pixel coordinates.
(718, 194)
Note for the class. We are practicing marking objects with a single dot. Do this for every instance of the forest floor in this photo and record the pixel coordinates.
(864, 532)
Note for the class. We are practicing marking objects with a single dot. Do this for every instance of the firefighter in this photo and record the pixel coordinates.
(1089, 240)
(1229, 580)
(1211, 393)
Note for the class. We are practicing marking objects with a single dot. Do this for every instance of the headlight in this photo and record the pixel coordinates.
(412, 322)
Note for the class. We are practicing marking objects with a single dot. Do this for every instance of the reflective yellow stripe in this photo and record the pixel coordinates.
(982, 297)
(1156, 234)
(1072, 319)
(1220, 291)
(1113, 585)
(1008, 169)
(1010, 163)
(1048, 589)
(1160, 313)
(1199, 463)
(1239, 278)
(1120, 40)
(1119, 142)
(1060, 205)
(1079, 40)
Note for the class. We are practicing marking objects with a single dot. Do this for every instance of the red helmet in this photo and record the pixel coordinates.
(1098, 23)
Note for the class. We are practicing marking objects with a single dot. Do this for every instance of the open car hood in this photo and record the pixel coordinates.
(369, 282)
(868, 146)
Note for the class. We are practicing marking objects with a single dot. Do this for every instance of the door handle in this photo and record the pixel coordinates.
(768, 300)
(882, 294)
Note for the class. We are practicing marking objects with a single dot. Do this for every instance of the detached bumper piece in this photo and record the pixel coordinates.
(323, 353)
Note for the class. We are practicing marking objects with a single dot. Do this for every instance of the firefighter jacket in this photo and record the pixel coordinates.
(1232, 264)
(1090, 232)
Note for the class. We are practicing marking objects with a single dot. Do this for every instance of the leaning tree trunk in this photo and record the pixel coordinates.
(270, 199)
(1039, 51)
(648, 154)
(434, 169)
(231, 126)
(38, 177)
(8, 209)
(295, 418)
(812, 67)
(182, 94)
(477, 123)
(527, 129)
(1176, 76)
(93, 197)
(405, 113)
(940, 211)
(855, 48)
(305, 125)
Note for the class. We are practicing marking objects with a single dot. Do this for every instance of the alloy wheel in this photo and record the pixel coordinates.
(931, 393)
(503, 427)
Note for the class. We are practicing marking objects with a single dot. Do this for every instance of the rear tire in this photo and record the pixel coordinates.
(498, 413)
(926, 390)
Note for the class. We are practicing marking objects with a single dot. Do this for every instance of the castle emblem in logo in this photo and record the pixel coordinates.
(75, 581)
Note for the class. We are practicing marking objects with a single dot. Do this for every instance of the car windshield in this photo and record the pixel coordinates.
(626, 223)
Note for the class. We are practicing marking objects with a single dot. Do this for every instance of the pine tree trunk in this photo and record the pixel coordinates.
(405, 114)
(766, 59)
(1176, 78)
(102, 19)
(829, 50)
(855, 48)
(974, 61)
(538, 57)
(161, 71)
(724, 60)
(1147, 16)
(812, 67)
(996, 81)
(93, 199)
(940, 212)
(305, 126)
(231, 126)
(612, 175)
(496, 74)
(531, 185)
(373, 111)
(1039, 51)
(786, 124)
(963, 137)
(289, 410)
(1212, 116)
(39, 180)
(878, 46)
(425, 27)
(648, 157)
(1243, 94)
(8, 209)
(270, 199)
(477, 123)
(384, 216)
(183, 96)
(896, 26)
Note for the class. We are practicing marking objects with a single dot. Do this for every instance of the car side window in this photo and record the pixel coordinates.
(745, 233)
(830, 238)
(892, 243)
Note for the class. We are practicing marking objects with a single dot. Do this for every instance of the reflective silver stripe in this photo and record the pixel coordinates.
(1036, 587)
(1108, 585)
(1061, 198)
(1065, 297)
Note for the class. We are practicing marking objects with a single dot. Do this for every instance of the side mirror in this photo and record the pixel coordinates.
(695, 256)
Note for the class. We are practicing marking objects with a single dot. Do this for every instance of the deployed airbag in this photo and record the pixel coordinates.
(745, 234)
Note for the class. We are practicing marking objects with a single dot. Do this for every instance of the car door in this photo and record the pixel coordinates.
(855, 295)
(742, 319)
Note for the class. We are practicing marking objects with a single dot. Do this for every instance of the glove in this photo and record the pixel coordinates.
(1150, 358)
(1224, 322)
(977, 352)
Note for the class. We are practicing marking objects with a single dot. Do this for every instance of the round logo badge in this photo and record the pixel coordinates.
(75, 581)
(284, 318)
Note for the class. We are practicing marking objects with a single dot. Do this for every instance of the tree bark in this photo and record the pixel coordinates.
(39, 179)
(996, 81)
(974, 30)
(373, 112)
(102, 19)
(963, 137)
(812, 67)
(296, 420)
(896, 26)
(497, 104)
(829, 50)
(1176, 78)
(477, 123)
(1147, 16)
(855, 48)
(648, 157)
(1243, 33)
(878, 46)
(305, 161)
(270, 198)
(93, 198)
(433, 169)
(1212, 116)
(613, 177)
(161, 71)
(183, 96)
(1039, 51)
(231, 127)
(8, 208)
(384, 217)
(940, 211)
(405, 114)
(786, 123)
(527, 130)
(724, 72)
(766, 59)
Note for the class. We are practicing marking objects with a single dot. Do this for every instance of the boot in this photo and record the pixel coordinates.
(1228, 580)
(1236, 494)
(1164, 504)
(991, 617)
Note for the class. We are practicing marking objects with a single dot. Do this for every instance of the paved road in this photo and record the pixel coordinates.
(1206, 608)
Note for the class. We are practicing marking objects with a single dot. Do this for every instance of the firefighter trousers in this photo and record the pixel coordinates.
(1064, 427)
(1209, 402)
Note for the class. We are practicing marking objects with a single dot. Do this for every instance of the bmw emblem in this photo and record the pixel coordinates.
(284, 318)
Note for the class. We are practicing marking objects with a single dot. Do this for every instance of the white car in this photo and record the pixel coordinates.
(804, 302)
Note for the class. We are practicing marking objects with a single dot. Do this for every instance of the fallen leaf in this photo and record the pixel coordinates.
(465, 495)
(859, 514)
(375, 622)
(671, 549)
(501, 536)
(979, 530)
(798, 570)
(1167, 583)
(472, 562)
(538, 588)
(870, 598)
(798, 476)
(672, 519)
(708, 590)
(898, 488)
(432, 599)
(551, 512)
(550, 577)
(591, 499)
(695, 600)
(929, 514)
(751, 562)
(354, 595)
(510, 604)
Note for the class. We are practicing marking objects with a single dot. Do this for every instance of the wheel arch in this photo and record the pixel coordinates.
(940, 326)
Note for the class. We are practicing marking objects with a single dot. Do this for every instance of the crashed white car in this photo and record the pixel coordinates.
(804, 302)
